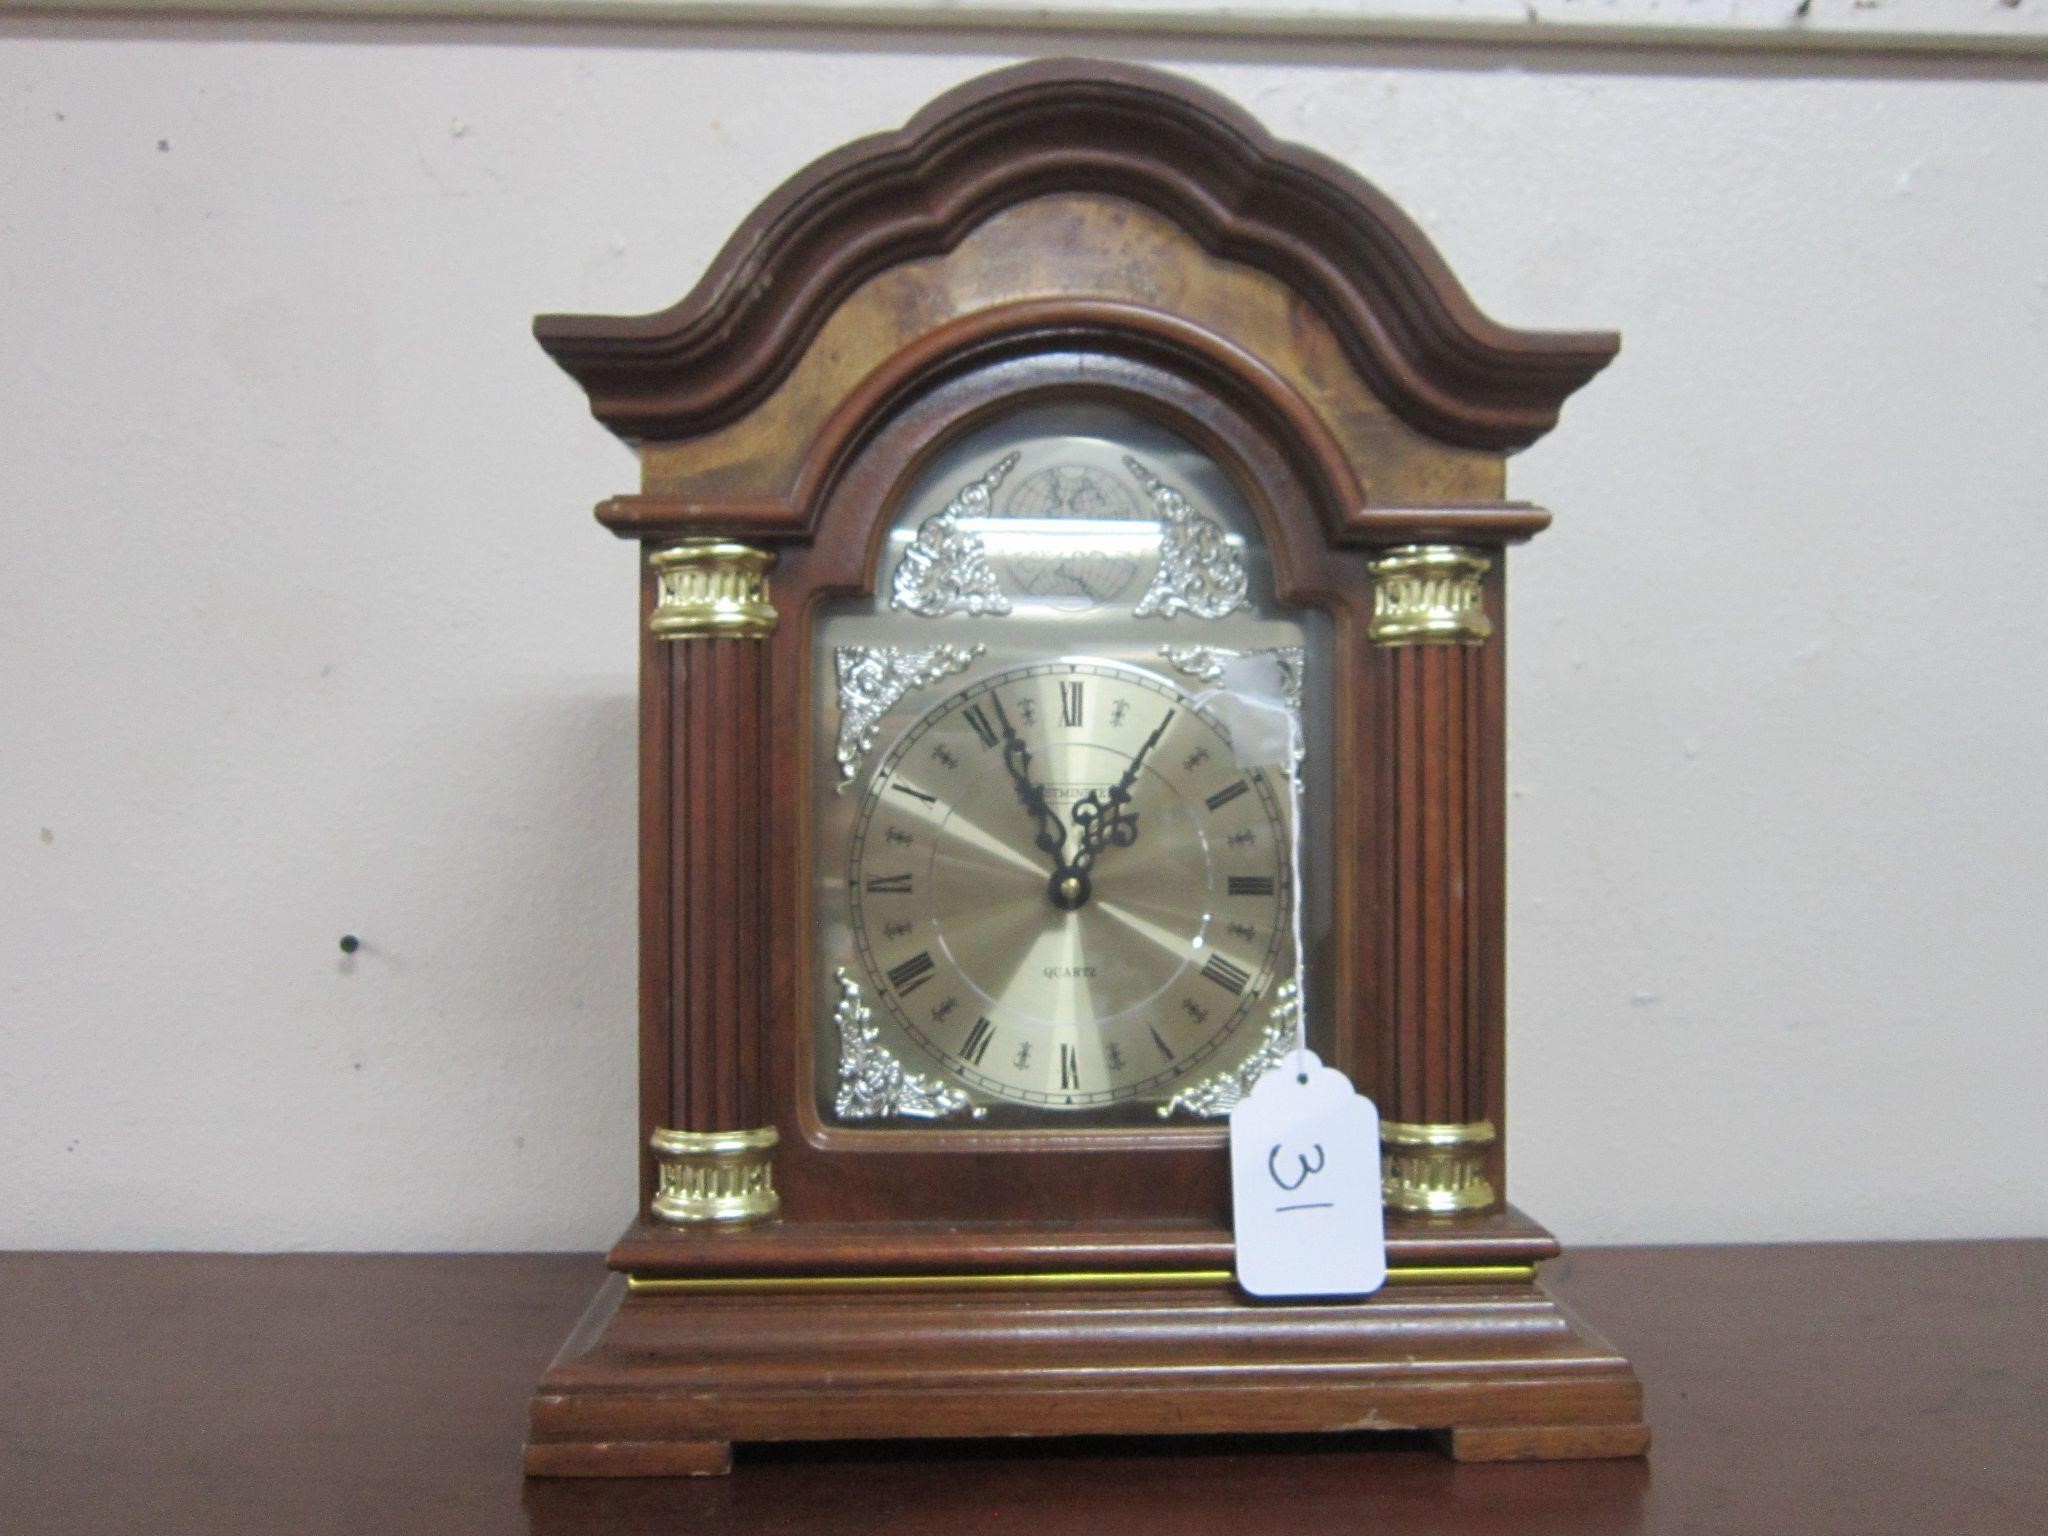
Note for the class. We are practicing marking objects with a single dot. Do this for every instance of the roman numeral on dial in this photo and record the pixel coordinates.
(976, 1045)
(1223, 797)
(1251, 885)
(912, 973)
(1070, 1069)
(1230, 978)
(899, 885)
(977, 717)
(1070, 703)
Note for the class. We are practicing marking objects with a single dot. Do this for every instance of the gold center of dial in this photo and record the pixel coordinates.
(1065, 889)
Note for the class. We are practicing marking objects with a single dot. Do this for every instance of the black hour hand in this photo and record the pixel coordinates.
(1051, 834)
(1111, 824)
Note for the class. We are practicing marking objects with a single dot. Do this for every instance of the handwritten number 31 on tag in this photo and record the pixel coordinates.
(1305, 1184)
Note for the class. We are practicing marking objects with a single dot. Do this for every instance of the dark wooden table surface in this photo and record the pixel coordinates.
(1795, 1391)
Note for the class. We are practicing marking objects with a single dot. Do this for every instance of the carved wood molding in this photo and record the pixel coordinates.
(1065, 126)
(1092, 335)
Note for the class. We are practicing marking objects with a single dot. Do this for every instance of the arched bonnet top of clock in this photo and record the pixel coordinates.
(1081, 207)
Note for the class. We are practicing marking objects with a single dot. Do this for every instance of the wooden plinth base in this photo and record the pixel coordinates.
(661, 1385)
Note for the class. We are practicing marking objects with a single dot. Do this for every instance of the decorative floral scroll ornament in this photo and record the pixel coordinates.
(946, 569)
(1214, 1097)
(1199, 572)
(871, 680)
(873, 1084)
(1204, 663)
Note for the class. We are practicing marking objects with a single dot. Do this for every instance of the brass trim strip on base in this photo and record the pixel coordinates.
(1110, 1279)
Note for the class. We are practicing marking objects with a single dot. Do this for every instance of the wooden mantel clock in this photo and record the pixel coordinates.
(980, 450)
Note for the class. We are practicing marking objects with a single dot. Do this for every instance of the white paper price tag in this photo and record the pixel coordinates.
(1305, 1184)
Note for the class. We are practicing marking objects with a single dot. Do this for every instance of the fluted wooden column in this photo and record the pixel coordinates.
(705, 1012)
(1442, 761)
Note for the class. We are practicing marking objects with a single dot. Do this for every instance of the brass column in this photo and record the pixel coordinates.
(710, 619)
(1443, 755)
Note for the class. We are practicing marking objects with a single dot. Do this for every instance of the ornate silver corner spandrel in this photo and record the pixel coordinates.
(945, 569)
(873, 1084)
(1199, 572)
(714, 1176)
(1214, 1097)
(872, 678)
(710, 589)
(1429, 594)
(1440, 1169)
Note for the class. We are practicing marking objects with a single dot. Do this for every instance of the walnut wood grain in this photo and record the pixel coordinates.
(645, 1370)
(1442, 749)
(1408, 327)
(718, 1005)
(1063, 255)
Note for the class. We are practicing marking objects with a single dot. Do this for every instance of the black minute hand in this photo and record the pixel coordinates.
(1105, 825)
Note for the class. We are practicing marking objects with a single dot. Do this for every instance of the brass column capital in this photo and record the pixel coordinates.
(710, 588)
(1428, 594)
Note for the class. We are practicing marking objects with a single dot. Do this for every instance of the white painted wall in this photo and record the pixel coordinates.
(1944, 26)
(306, 629)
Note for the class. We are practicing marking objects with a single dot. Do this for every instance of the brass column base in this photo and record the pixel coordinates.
(1439, 1169)
(714, 1176)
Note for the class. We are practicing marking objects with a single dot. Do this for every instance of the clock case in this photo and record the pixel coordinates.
(1061, 231)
